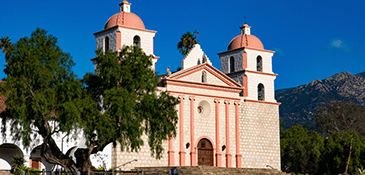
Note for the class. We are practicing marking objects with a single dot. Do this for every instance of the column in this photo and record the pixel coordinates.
(192, 145)
(228, 154)
(170, 152)
(181, 122)
(237, 121)
(218, 155)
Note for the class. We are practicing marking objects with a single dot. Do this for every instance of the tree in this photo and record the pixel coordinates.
(186, 43)
(124, 103)
(4, 43)
(340, 115)
(119, 104)
(338, 148)
(300, 150)
(43, 96)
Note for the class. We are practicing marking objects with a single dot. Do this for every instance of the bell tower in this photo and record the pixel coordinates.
(248, 63)
(126, 28)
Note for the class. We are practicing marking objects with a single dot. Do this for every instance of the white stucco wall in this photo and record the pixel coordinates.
(194, 57)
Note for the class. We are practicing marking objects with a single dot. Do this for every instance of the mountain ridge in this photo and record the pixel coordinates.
(299, 104)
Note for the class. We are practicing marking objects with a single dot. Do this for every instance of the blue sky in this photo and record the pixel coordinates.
(312, 39)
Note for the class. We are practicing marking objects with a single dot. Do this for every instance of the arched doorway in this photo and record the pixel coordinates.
(7, 152)
(205, 153)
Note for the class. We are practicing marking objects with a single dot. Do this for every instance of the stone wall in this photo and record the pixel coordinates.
(259, 135)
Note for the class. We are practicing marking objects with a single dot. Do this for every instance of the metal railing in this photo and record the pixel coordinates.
(111, 172)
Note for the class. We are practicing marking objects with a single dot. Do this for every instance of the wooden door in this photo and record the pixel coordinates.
(205, 153)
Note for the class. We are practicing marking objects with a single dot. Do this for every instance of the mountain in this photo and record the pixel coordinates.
(300, 104)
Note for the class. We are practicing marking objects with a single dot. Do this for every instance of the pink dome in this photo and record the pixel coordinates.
(245, 41)
(125, 19)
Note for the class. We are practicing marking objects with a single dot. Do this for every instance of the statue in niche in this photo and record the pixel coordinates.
(204, 77)
(168, 72)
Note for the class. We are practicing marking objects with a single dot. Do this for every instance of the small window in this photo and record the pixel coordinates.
(231, 64)
(203, 144)
(106, 44)
(200, 109)
(259, 63)
(204, 77)
(137, 41)
(261, 92)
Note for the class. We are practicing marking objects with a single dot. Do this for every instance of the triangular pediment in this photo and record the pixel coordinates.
(213, 77)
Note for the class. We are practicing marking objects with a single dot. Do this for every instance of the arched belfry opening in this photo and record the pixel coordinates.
(106, 44)
(261, 92)
(205, 152)
(231, 64)
(137, 41)
(259, 63)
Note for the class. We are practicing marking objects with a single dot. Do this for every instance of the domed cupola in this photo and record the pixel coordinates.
(125, 18)
(125, 29)
(245, 39)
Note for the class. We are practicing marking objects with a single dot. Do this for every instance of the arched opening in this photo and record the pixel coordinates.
(259, 63)
(106, 44)
(137, 41)
(7, 152)
(205, 152)
(204, 77)
(205, 60)
(231, 64)
(261, 92)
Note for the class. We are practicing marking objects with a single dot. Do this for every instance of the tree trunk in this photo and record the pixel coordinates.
(57, 157)
(348, 160)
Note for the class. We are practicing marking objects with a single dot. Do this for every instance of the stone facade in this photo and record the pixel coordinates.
(260, 138)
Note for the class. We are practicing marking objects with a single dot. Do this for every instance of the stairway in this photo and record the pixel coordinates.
(209, 170)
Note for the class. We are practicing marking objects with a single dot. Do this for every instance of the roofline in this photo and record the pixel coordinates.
(267, 102)
(177, 74)
(251, 71)
(167, 81)
(123, 26)
(245, 47)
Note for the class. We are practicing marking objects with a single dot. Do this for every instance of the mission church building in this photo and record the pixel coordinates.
(227, 117)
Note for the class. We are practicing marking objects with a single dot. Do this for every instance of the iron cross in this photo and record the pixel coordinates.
(196, 33)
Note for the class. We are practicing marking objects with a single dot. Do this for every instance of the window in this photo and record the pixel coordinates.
(231, 64)
(106, 44)
(259, 63)
(137, 41)
(261, 92)
(203, 144)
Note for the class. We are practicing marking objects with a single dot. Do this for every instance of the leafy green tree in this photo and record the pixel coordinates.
(300, 150)
(119, 104)
(124, 104)
(186, 43)
(43, 96)
(337, 152)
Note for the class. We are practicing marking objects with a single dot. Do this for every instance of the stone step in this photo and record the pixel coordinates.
(208, 170)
